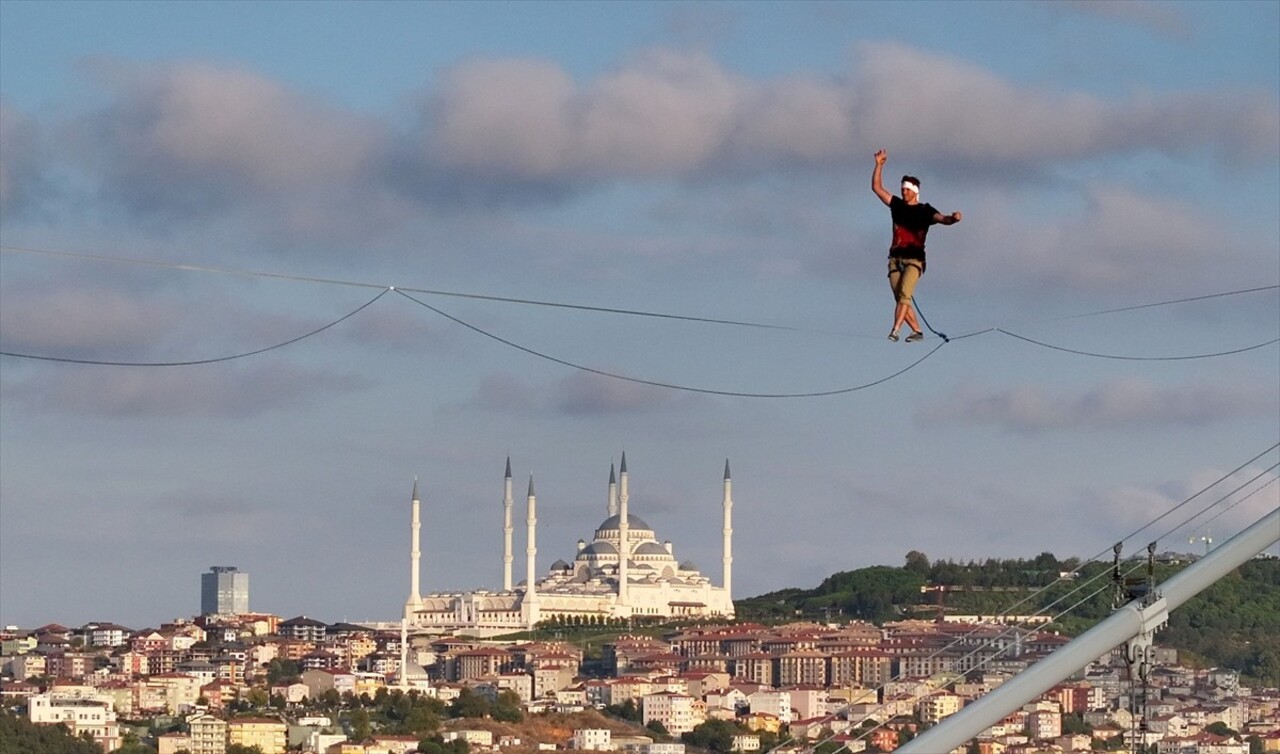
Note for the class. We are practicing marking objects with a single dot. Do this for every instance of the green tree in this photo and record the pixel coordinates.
(131, 744)
(1220, 728)
(508, 709)
(917, 563)
(1073, 723)
(469, 704)
(627, 711)
(242, 749)
(257, 697)
(421, 719)
(359, 722)
(330, 700)
(713, 735)
(657, 727)
(18, 735)
(280, 669)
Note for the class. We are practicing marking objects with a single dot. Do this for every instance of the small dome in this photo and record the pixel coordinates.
(598, 548)
(688, 565)
(651, 548)
(560, 565)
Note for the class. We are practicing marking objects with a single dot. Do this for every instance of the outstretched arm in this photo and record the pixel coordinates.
(877, 185)
(950, 219)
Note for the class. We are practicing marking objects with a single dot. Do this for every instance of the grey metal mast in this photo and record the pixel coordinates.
(1134, 623)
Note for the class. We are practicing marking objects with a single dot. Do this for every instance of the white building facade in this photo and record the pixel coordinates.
(81, 709)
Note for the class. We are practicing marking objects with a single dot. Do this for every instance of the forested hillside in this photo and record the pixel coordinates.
(20, 736)
(1235, 623)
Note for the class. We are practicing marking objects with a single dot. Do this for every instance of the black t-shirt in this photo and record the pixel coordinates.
(910, 225)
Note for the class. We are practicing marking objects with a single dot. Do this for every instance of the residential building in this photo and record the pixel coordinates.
(776, 703)
(208, 734)
(264, 732)
(591, 739)
(678, 713)
(79, 708)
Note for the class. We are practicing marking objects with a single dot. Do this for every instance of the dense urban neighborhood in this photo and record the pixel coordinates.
(253, 682)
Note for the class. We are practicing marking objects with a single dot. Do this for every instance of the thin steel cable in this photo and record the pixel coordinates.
(655, 383)
(1206, 509)
(1220, 513)
(581, 307)
(1169, 303)
(1137, 358)
(989, 640)
(1170, 512)
(1102, 574)
(425, 291)
(982, 663)
(194, 362)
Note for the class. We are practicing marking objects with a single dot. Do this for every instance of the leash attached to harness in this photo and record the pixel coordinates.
(916, 304)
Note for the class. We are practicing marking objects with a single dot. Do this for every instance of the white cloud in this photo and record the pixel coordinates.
(197, 120)
(947, 109)
(1118, 237)
(1120, 404)
(578, 394)
(20, 157)
(1165, 19)
(195, 141)
(509, 116)
(588, 394)
(84, 322)
(666, 114)
(125, 392)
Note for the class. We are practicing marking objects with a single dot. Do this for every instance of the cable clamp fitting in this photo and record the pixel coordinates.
(1138, 650)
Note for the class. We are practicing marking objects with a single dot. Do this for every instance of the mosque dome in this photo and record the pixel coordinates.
(651, 548)
(597, 548)
(613, 523)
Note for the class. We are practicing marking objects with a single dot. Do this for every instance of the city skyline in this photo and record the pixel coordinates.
(659, 214)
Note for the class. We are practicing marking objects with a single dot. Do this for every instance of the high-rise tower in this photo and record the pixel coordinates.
(224, 590)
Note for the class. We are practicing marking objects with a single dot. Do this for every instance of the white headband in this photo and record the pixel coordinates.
(914, 187)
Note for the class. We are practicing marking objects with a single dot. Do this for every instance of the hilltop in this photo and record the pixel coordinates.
(1233, 624)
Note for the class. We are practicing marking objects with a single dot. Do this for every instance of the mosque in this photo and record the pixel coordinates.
(597, 584)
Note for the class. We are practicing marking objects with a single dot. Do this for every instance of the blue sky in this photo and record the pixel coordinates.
(707, 160)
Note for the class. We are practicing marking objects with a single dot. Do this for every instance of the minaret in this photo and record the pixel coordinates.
(613, 493)
(414, 603)
(624, 533)
(728, 532)
(531, 612)
(506, 530)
